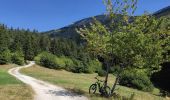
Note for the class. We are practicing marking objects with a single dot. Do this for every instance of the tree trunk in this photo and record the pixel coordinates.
(107, 74)
(114, 85)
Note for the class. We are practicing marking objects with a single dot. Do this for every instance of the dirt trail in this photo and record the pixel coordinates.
(44, 90)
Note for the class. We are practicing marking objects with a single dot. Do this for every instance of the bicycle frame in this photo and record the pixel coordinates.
(99, 85)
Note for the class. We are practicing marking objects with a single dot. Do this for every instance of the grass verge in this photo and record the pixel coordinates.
(81, 82)
(11, 88)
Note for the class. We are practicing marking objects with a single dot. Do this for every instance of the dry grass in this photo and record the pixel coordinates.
(11, 88)
(81, 82)
(16, 92)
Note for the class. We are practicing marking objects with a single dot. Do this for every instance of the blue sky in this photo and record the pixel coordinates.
(45, 15)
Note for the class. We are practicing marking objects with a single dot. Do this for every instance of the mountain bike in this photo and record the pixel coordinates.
(103, 90)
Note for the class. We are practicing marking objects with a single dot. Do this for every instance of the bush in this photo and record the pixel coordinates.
(69, 64)
(136, 79)
(77, 66)
(115, 70)
(60, 62)
(51, 61)
(102, 73)
(85, 67)
(94, 66)
(17, 58)
(47, 60)
(5, 57)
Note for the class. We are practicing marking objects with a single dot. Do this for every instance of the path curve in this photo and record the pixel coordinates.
(44, 90)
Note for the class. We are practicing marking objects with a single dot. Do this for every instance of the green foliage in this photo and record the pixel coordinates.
(5, 57)
(94, 66)
(68, 63)
(136, 79)
(44, 43)
(17, 58)
(140, 44)
(97, 37)
(51, 61)
(102, 73)
(28, 48)
(4, 38)
(31, 44)
(78, 66)
(48, 60)
(65, 47)
(86, 67)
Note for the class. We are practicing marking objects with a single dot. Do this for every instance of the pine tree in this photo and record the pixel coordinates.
(53, 46)
(28, 48)
(44, 43)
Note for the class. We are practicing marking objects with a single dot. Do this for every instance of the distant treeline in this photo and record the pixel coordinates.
(19, 45)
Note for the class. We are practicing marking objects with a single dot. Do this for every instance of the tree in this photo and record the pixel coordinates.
(17, 58)
(44, 43)
(16, 45)
(4, 38)
(28, 48)
(5, 57)
(134, 42)
(53, 46)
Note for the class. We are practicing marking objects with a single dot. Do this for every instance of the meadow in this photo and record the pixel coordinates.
(80, 82)
(11, 88)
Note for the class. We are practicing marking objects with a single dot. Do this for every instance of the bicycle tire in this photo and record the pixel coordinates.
(106, 91)
(93, 88)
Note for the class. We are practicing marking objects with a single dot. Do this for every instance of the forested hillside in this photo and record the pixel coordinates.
(18, 45)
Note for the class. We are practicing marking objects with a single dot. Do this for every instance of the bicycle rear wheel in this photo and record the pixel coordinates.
(106, 91)
(93, 88)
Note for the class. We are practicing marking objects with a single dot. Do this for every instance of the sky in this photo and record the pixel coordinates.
(45, 15)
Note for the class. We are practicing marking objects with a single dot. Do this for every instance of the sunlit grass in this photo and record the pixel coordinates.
(11, 88)
(5, 78)
(81, 82)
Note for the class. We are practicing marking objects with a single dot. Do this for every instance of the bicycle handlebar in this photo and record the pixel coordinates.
(98, 79)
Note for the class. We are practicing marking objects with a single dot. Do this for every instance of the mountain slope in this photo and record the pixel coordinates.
(163, 12)
(70, 31)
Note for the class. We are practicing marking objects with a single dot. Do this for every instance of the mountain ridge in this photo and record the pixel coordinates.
(163, 12)
(71, 33)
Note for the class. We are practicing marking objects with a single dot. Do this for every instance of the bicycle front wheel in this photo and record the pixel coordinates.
(93, 88)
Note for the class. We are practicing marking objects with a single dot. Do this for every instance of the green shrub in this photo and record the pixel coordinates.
(5, 57)
(51, 61)
(94, 66)
(59, 63)
(69, 64)
(17, 58)
(47, 60)
(115, 70)
(102, 73)
(77, 66)
(136, 79)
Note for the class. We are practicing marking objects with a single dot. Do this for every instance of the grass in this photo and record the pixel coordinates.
(81, 82)
(11, 88)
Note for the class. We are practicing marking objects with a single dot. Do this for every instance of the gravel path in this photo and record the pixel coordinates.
(44, 90)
